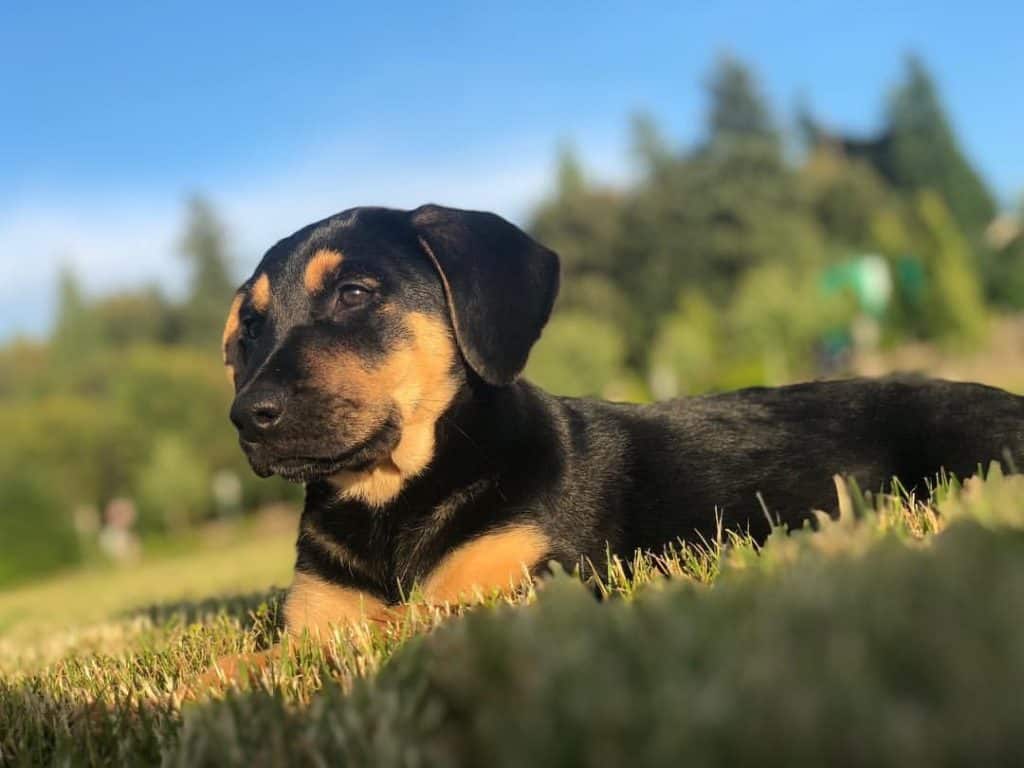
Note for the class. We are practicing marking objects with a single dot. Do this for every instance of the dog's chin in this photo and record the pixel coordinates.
(299, 469)
(305, 469)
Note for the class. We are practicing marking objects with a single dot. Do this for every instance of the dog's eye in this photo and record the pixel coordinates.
(252, 327)
(352, 295)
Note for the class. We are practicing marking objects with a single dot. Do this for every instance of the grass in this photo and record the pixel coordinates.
(891, 636)
(106, 608)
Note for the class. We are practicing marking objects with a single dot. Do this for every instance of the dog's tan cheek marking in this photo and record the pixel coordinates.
(232, 323)
(230, 334)
(260, 293)
(417, 379)
(317, 606)
(496, 561)
(346, 373)
(319, 267)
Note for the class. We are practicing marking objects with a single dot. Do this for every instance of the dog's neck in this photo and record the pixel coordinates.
(488, 453)
(474, 423)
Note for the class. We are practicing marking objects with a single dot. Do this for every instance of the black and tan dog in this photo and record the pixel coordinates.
(375, 356)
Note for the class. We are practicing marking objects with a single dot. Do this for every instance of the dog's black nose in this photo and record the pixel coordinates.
(257, 412)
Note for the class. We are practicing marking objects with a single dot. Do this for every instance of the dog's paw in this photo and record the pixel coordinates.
(229, 671)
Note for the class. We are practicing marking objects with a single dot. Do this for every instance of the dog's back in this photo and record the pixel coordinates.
(676, 466)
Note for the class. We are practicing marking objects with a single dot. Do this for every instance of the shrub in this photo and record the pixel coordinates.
(36, 532)
(579, 354)
(174, 486)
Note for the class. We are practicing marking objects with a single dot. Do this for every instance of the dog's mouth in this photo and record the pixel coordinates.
(299, 468)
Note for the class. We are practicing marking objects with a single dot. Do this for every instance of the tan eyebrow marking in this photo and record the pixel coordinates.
(319, 267)
(260, 293)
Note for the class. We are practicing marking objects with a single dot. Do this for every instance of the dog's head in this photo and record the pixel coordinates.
(355, 334)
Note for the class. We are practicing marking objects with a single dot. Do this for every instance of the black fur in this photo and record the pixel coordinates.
(594, 476)
(500, 283)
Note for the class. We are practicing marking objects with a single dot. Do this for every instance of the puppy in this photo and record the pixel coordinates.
(375, 357)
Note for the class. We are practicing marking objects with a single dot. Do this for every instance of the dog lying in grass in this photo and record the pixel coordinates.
(375, 357)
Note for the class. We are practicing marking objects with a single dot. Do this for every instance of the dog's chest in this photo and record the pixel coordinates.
(390, 551)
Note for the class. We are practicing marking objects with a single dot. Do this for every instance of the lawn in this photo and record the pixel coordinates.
(892, 636)
(102, 608)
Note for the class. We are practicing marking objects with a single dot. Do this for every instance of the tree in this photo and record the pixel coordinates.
(210, 281)
(1005, 270)
(578, 354)
(701, 220)
(738, 111)
(846, 195)
(142, 316)
(650, 147)
(36, 534)
(922, 152)
(581, 222)
(174, 488)
(687, 352)
(955, 308)
(75, 331)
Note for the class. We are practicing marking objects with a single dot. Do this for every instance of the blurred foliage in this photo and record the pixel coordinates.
(921, 152)
(205, 252)
(705, 272)
(711, 262)
(955, 307)
(1004, 272)
(127, 399)
(738, 112)
(174, 484)
(846, 195)
(582, 355)
(36, 533)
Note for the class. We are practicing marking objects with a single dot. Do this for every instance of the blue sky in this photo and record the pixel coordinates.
(112, 114)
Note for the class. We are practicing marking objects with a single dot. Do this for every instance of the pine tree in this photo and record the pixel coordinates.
(955, 308)
(706, 217)
(75, 331)
(582, 222)
(210, 282)
(922, 152)
(738, 110)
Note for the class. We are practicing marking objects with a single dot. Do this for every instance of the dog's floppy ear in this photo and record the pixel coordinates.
(499, 282)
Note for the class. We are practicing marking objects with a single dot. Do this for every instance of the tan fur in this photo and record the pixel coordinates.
(432, 524)
(496, 561)
(416, 379)
(317, 605)
(231, 333)
(260, 293)
(230, 670)
(319, 267)
(232, 323)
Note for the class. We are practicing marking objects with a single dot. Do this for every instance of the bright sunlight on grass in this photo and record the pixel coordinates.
(101, 608)
(891, 635)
